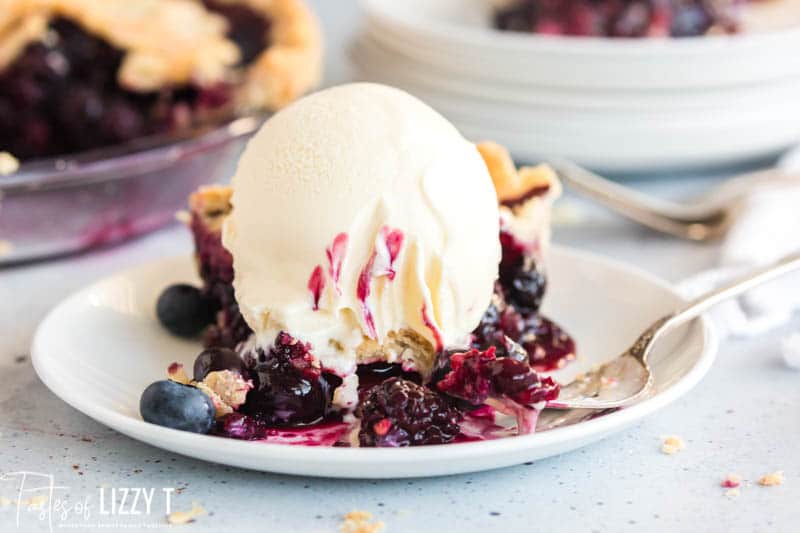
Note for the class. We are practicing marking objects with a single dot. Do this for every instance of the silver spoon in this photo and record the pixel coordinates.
(698, 221)
(627, 378)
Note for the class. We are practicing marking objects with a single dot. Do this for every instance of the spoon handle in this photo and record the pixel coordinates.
(693, 222)
(703, 303)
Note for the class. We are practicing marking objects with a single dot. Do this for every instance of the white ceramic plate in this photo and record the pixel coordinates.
(101, 347)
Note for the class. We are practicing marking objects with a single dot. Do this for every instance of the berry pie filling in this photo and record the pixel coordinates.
(368, 352)
(645, 18)
(84, 75)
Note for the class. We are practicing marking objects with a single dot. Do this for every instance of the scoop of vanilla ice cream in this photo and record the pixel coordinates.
(363, 223)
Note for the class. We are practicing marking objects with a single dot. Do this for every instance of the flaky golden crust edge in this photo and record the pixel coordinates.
(511, 183)
(292, 64)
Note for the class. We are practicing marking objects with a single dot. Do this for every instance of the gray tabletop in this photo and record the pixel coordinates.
(743, 418)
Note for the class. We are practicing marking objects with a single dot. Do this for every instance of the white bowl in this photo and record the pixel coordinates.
(373, 52)
(614, 104)
(457, 33)
(656, 131)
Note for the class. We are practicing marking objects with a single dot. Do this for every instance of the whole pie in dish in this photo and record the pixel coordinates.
(644, 18)
(373, 281)
(77, 75)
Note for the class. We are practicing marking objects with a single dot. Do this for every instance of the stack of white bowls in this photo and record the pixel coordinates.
(616, 104)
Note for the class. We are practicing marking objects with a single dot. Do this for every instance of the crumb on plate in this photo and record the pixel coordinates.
(731, 481)
(360, 522)
(177, 518)
(733, 493)
(34, 502)
(672, 445)
(771, 480)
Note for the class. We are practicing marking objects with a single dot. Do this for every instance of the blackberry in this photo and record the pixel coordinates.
(399, 412)
(476, 376)
(518, 381)
(548, 346)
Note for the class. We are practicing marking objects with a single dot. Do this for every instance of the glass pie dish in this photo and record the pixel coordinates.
(57, 206)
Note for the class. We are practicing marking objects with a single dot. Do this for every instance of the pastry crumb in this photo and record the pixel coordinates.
(772, 480)
(177, 518)
(34, 502)
(672, 445)
(183, 216)
(360, 522)
(8, 164)
(228, 390)
(731, 481)
(176, 372)
(733, 493)
(5, 247)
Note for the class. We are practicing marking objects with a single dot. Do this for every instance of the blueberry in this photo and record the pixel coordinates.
(177, 406)
(289, 390)
(690, 21)
(284, 397)
(184, 310)
(527, 289)
(215, 359)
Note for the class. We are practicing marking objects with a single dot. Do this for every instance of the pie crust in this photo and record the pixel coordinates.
(510, 183)
(178, 42)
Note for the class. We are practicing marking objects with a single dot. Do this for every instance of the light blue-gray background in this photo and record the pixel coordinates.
(744, 418)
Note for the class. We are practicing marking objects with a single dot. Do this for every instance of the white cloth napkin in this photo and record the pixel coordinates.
(768, 229)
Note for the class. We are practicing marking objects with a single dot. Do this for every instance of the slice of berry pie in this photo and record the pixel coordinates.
(512, 342)
(415, 320)
(77, 75)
